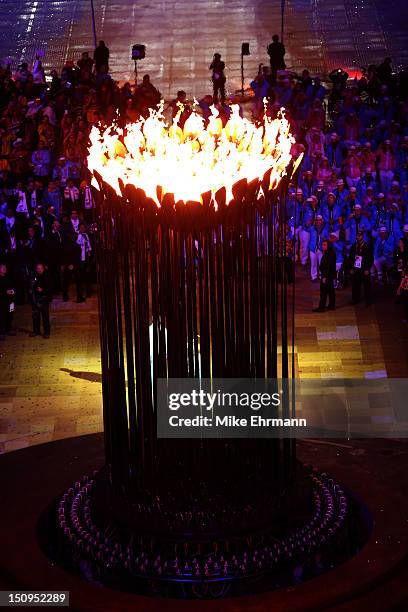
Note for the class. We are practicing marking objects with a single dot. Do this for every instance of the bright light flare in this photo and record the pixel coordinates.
(192, 160)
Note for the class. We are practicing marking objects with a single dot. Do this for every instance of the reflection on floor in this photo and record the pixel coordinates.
(50, 389)
(182, 36)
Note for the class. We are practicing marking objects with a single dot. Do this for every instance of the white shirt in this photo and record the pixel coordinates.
(85, 245)
(22, 202)
(88, 200)
(75, 224)
(40, 219)
(71, 193)
(33, 202)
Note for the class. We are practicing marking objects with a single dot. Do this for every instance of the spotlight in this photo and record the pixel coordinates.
(138, 53)
(244, 51)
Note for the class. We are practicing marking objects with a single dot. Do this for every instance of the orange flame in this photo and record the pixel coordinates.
(194, 160)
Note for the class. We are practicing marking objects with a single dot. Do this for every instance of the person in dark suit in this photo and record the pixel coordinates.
(83, 273)
(49, 218)
(276, 51)
(218, 77)
(101, 56)
(41, 296)
(361, 261)
(327, 270)
(54, 243)
(9, 222)
(71, 253)
(34, 247)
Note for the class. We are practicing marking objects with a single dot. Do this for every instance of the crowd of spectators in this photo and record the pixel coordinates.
(46, 203)
(353, 183)
(352, 195)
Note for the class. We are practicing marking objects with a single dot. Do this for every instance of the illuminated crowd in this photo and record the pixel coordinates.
(353, 181)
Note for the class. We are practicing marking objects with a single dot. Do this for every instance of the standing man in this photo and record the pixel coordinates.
(71, 197)
(331, 213)
(218, 77)
(41, 161)
(339, 249)
(384, 247)
(54, 249)
(327, 270)
(361, 260)
(41, 297)
(306, 220)
(87, 200)
(86, 62)
(101, 56)
(318, 233)
(276, 51)
(72, 225)
(83, 271)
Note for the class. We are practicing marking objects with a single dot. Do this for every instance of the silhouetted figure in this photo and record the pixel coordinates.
(327, 269)
(218, 78)
(41, 296)
(101, 56)
(384, 70)
(276, 51)
(361, 259)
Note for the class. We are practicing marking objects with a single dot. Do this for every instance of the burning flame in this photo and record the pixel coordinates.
(192, 160)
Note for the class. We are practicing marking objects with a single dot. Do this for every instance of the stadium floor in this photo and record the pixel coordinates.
(51, 389)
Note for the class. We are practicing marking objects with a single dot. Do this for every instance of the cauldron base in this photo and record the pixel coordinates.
(167, 554)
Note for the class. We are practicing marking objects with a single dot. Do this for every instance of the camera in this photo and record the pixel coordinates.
(138, 52)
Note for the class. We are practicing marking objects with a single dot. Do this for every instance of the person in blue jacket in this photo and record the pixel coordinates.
(309, 215)
(365, 183)
(318, 233)
(320, 194)
(341, 192)
(357, 222)
(349, 202)
(307, 184)
(377, 214)
(294, 204)
(331, 213)
(394, 221)
(334, 151)
(384, 248)
(339, 249)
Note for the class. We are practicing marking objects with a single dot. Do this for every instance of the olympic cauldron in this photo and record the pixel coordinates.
(192, 277)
